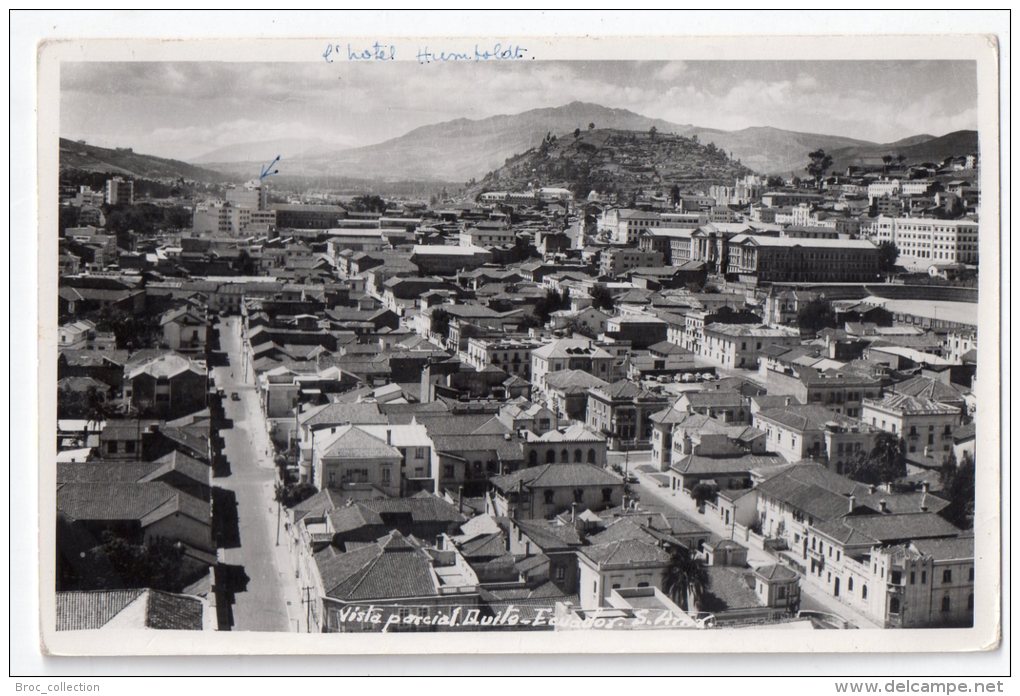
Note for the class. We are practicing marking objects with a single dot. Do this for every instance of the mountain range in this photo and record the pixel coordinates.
(468, 149)
(464, 149)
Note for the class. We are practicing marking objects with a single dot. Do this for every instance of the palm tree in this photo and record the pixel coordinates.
(96, 411)
(686, 579)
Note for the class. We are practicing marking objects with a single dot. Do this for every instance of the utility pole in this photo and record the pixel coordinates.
(279, 513)
(307, 601)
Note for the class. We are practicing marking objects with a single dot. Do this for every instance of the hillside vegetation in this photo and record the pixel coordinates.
(615, 161)
(126, 162)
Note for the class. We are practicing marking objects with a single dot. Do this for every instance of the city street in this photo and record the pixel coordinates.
(812, 598)
(269, 599)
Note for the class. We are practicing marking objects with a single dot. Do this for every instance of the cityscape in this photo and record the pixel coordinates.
(565, 366)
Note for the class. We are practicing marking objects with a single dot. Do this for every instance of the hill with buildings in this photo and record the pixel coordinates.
(615, 161)
(126, 162)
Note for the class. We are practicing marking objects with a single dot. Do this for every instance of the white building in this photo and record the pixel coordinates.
(739, 345)
(251, 195)
(924, 241)
(120, 191)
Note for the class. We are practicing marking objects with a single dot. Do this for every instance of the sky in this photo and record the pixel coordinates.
(185, 110)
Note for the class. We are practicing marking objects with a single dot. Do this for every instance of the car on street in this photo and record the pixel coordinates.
(234, 396)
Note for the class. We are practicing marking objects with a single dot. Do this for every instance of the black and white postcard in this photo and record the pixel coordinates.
(380, 345)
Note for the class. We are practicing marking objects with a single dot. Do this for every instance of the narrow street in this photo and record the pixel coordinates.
(266, 597)
(812, 598)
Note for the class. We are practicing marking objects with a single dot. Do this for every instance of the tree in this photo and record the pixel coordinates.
(774, 181)
(958, 489)
(652, 131)
(888, 253)
(576, 327)
(292, 494)
(441, 322)
(702, 493)
(886, 462)
(900, 159)
(601, 298)
(686, 579)
(815, 316)
(674, 195)
(244, 264)
(591, 126)
(818, 164)
(117, 563)
(369, 204)
(886, 161)
(577, 133)
(552, 302)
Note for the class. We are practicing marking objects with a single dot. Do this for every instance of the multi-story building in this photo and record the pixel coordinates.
(541, 492)
(902, 570)
(797, 432)
(742, 192)
(617, 261)
(229, 220)
(842, 391)
(168, 386)
(926, 241)
(623, 412)
(487, 236)
(626, 226)
(252, 195)
(120, 191)
(317, 217)
(777, 259)
(739, 345)
(926, 426)
(349, 454)
(958, 344)
(511, 355)
(570, 354)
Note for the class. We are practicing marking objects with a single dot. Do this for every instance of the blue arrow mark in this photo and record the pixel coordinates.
(268, 170)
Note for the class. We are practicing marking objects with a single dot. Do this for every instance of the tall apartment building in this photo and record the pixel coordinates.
(253, 195)
(622, 259)
(229, 220)
(926, 241)
(120, 191)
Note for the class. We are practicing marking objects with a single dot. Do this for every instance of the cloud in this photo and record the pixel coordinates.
(185, 109)
(670, 71)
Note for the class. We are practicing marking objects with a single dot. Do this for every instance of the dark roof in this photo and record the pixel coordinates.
(557, 475)
(626, 552)
(776, 573)
(142, 502)
(696, 464)
(952, 548)
(803, 417)
(929, 388)
(355, 443)
(422, 508)
(880, 529)
(77, 611)
(391, 568)
(728, 588)
(549, 535)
